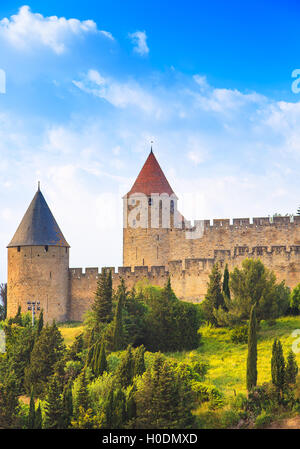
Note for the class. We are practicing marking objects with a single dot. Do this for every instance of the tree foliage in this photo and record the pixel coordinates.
(252, 350)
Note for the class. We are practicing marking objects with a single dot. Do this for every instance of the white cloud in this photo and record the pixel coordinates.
(139, 39)
(119, 94)
(107, 34)
(27, 29)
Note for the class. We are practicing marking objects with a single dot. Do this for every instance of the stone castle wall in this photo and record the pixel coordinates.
(189, 277)
(39, 273)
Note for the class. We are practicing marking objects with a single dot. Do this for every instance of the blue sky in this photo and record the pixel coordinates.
(90, 84)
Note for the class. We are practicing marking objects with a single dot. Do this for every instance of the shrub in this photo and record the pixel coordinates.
(262, 420)
(230, 418)
(239, 402)
(239, 334)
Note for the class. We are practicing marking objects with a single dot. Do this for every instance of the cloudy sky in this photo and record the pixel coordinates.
(90, 84)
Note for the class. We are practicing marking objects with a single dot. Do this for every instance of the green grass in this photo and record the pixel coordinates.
(70, 330)
(227, 361)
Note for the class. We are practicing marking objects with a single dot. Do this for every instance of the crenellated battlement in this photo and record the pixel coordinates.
(233, 223)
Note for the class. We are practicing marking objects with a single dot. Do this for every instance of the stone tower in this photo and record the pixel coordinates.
(150, 214)
(38, 264)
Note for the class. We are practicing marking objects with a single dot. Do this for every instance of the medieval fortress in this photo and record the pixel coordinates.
(157, 242)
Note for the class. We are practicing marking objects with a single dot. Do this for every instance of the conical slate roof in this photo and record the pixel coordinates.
(151, 179)
(38, 226)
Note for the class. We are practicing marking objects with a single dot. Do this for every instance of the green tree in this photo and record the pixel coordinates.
(31, 415)
(252, 351)
(54, 410)
(163, 399)
(82, 393)
(9, 404)
(102, 362)
(214, 297)
(125, 370)
(40, 323)
(102, 306)
(38, 421)
(48, 349)
(291, 369)
(278, 366)
(253, 284)
(67, 401)
(295, 300)
(225, 288)
(139, 361)
(118, 331)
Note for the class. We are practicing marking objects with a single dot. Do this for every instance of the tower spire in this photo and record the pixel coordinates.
(151, 178)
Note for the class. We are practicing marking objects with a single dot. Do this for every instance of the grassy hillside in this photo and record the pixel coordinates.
(227, 361)
(70, 330)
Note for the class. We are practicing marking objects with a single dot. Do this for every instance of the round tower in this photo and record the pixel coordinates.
(38, 264)
(150, 214)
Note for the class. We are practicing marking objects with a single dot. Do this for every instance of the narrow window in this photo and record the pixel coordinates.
(150, 201)
(19, 249)
(172, 207)
(46, 248)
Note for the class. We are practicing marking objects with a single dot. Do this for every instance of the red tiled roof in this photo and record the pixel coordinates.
(151, 179)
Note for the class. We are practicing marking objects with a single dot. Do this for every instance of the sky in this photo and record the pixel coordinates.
(85, 87)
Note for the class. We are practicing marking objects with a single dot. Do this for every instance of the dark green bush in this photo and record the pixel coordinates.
(239, 334)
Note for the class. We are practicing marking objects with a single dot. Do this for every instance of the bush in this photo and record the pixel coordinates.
(262, 420)
(239, 402)
(239, 334)
(230, 418)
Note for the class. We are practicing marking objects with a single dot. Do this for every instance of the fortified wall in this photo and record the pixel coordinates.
(276, 242)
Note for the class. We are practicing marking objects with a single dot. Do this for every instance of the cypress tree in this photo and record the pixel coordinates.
(38, 421)
(109, 410)
(252, 351)
(102, 306)
(214, 296)
(139, 361)
(125, 369)
(40, 323)
(31, 415)
(118, 332)
(291, 369)
(102, 362)
(278, 366)
(226, 290)
(68, 404)
(131, 403)
(48, 349)
(83, 395)
(54, 407)
(94, 361)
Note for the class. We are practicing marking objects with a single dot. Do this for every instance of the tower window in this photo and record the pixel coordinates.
(172, 206)
(19, 249)
(46, 248)
(150, 201)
